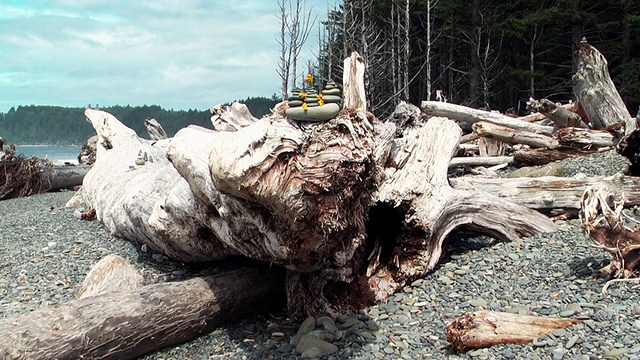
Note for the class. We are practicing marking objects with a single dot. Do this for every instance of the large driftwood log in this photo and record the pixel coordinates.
(486, 328)
(113, 320)
(596, 94)
(567, 137)
(551, 193)
(514, 136)
(471, 116)
(426, 212)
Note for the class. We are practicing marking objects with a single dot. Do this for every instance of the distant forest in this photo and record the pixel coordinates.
(493, 54)
(38, 124)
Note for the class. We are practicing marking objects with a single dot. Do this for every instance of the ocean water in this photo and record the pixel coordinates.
(57, 154)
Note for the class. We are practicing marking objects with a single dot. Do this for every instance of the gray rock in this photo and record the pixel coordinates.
(307, 326)
(311, 345)
(327, 323)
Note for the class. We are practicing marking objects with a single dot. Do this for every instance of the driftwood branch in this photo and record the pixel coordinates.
(468, 115)
(483, 329)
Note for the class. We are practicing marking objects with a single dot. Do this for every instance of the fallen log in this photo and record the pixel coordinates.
(487, 328)
(471, 116)
(543, 156)
(568, 137)
(514, 136)
(551, 193)
(480, 161)
(115, 321)
(64, 177)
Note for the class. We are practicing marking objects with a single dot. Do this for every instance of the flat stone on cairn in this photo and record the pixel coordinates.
(330, 98)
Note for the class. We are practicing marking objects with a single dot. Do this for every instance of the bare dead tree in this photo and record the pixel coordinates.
(295, 27)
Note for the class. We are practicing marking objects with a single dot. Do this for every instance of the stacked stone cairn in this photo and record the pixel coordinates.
(311, 106)
(331, 94)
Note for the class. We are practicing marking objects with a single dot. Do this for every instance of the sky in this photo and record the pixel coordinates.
(179, 54)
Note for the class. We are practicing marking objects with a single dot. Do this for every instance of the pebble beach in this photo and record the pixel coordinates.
(45, 254)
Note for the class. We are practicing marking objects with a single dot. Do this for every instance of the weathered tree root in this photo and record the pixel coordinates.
(607, 228)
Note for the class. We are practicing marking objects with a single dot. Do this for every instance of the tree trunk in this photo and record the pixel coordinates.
(112, 320)
(64, 177)
(353, 80)
(596, 93)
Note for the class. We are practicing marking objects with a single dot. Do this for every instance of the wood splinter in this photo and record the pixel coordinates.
(474, 330)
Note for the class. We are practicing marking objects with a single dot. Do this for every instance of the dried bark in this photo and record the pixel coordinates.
(487, 328)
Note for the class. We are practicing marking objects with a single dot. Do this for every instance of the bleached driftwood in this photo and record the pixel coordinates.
(480, 161)
(155, 130)
(118, 319)
(353, 83)
(514, 136)
(231, 117)
(596, 94)
(548, 193)
(567, 137)
(538, 116)
(487, 328)
(556, 112)
(468, 115)
(542, 156)
(417, 184)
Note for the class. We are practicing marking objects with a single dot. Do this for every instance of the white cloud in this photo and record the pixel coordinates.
(173, 53)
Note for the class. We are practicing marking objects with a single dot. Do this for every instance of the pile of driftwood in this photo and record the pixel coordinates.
(24, 176)
(20, 176)
(345, 212)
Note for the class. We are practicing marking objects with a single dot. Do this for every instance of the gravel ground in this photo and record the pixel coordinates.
(45, 254)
